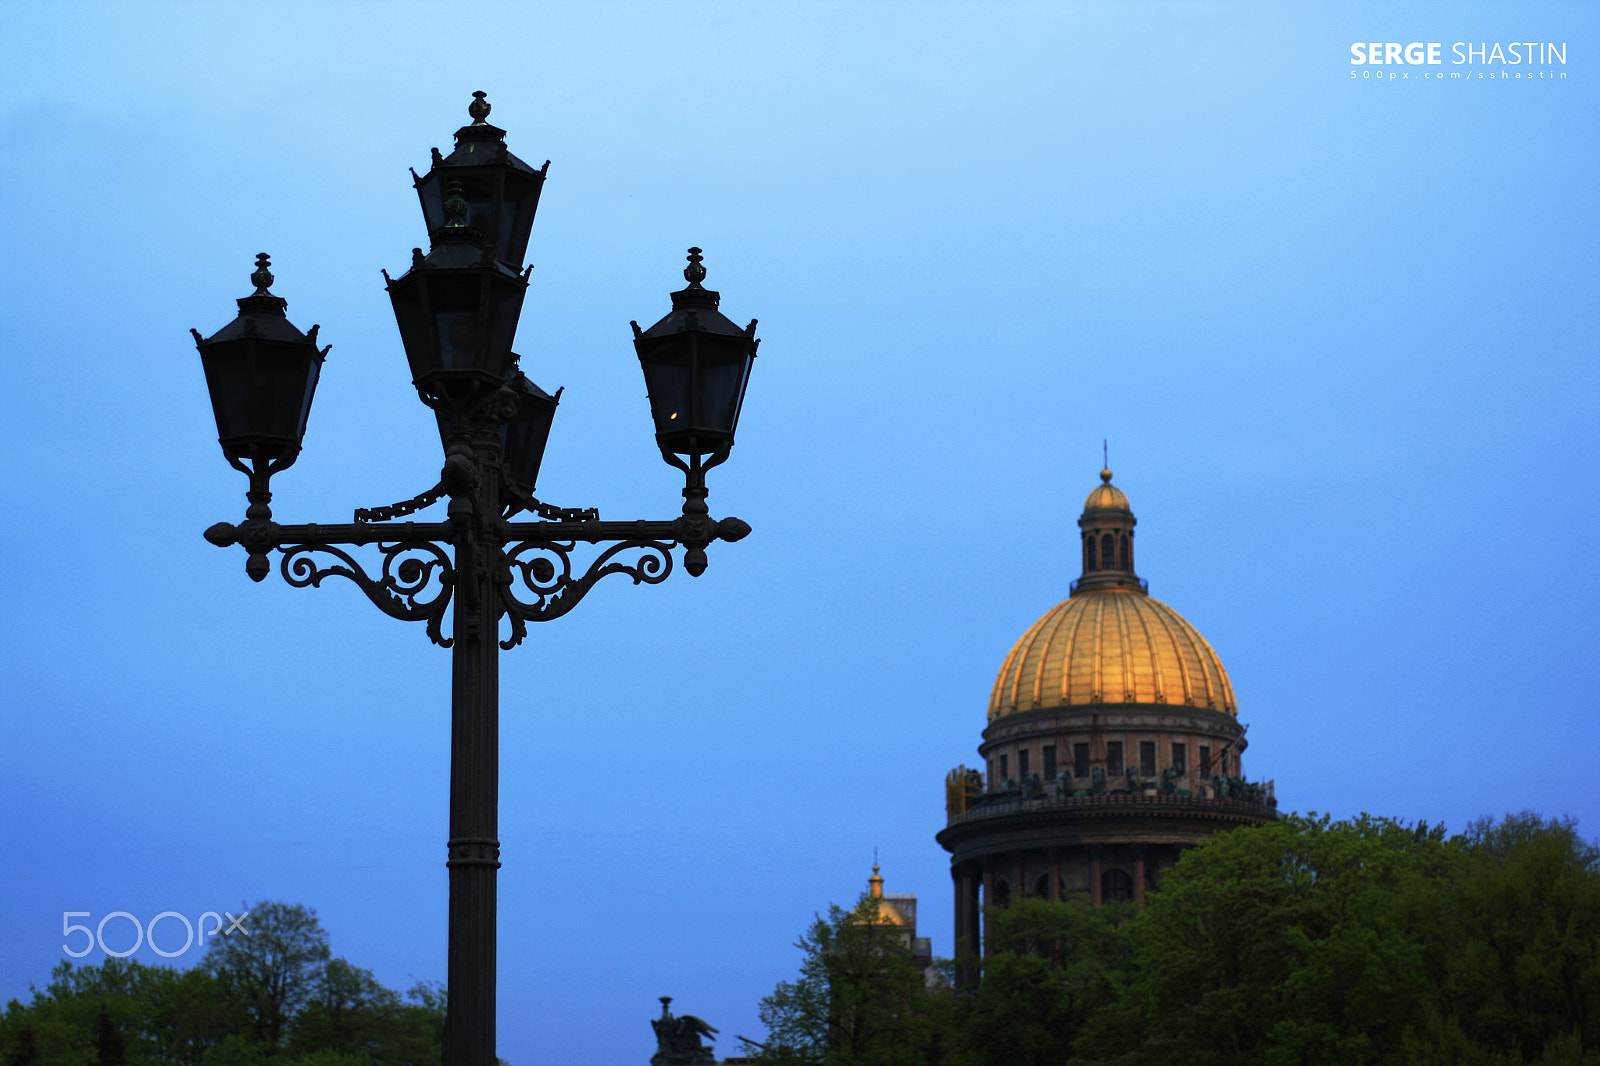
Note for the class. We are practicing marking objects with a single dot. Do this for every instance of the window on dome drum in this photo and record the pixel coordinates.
(1022, 763)
(1147, 758)
(1180, 758)
(1002, 893)
(1123, 545)
(1205, 760)
(1114, 758)
(1116, 886)
(1080, 760)
(1108, 550)
(1088, 559)
(1041, 887)
(1049, 762)
(992, 781)
(1004, 772)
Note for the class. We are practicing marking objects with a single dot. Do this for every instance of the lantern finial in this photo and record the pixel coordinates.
(479, 108)
(262, 277)
(694, 273)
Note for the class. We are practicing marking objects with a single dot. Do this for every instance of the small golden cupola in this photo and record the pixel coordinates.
(887, 910)
(1107, 524)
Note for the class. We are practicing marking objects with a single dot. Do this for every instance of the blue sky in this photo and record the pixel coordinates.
(1339, 331)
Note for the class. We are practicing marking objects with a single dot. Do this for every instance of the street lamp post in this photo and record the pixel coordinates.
(457, 309)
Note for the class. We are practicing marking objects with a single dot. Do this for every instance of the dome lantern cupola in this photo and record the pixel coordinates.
(1107, 524)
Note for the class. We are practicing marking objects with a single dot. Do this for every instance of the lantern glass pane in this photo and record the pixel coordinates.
(456, 330)
(416, 332)
(722, 387)
(668, 385)
(516, 223)
(458, 339)
(505, 300)
(313, 372)
(432, 202)
(523, 442)
(281, 386)
(280, 391)
(478, 191)
(228, 374)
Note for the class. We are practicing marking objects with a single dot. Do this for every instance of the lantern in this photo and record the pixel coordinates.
(262, 373)
(696, 364)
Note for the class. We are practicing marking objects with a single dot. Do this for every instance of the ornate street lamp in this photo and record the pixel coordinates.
(696, 364)
(457, 310)
(262, 373)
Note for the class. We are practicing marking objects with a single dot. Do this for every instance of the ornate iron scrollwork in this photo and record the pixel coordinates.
(544, 568)
(415, 583)
(430, 568)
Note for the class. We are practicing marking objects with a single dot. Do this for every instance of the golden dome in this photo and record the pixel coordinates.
(1106, 495)
(1110, 643)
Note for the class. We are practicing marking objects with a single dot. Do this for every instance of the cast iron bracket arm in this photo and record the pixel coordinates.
(544, 570)
(414, 584)
(273, 535)
(687, 529)
(540, 560)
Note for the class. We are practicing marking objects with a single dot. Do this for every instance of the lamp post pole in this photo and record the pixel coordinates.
(474, 845)
(457, 310)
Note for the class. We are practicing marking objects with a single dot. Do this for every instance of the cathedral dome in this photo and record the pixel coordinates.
(1111, 642)
(1111, 645)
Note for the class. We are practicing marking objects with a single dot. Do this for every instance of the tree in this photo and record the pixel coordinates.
(271, 965)
(110, 1048)
(1512, 947)
(1366, 942)
(1288, 942)
(1050, 965)
(25, 1048)
(216, 1014)
(161, 1014)
(859, 1000)
(345, 1004)
(350, 1013)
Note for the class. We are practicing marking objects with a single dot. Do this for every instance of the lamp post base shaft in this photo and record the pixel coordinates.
(474, 802)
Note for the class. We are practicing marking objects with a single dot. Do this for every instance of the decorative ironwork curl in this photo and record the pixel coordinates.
(545, 570)
(415, 583)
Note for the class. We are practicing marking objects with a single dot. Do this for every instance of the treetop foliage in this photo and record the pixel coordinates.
(277, 995)
(848, 1004)
(1368, 941)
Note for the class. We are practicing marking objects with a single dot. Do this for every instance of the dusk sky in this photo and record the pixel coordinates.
(1337, 323)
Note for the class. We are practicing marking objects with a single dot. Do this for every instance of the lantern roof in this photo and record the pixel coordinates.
(480, 144)
(261, 314)
(460, 249)
(695, 307)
